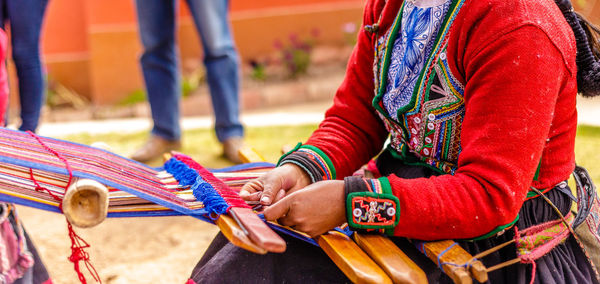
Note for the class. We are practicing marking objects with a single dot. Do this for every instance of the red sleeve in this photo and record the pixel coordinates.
(510, 98)
(352, 132)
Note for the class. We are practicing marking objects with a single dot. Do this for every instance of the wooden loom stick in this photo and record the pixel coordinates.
(249, 155)
(350, 259)
(344, 252)
(454, 261)
(391, 259)
(257, 230)
(232, 231)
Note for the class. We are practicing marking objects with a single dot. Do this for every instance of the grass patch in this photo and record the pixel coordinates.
(587, 154)
(202, 145)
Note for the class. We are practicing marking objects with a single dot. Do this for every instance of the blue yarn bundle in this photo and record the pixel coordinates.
(202, 190)
(181, 172)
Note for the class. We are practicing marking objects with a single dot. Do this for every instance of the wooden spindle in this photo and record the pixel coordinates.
(85, 203)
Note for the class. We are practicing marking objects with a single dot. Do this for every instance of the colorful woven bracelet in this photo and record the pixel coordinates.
(370, 205)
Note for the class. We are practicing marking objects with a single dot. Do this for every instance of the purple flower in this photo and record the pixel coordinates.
(349, 27)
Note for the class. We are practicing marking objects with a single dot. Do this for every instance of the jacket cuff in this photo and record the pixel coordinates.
(312, 160)
(370, 204)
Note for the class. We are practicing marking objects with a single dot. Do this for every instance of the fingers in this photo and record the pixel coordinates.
(278, 210)
(280, 195)
(272, 184)
(251, 190)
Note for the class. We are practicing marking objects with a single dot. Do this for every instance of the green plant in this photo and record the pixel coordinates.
(258, 70)
(296, 54)
(191, 82)
(137, 96)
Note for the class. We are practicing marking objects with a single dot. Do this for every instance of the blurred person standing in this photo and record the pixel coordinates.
(160, 68)
(25, 18)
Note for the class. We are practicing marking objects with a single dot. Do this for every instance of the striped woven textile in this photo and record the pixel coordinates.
(135, 189)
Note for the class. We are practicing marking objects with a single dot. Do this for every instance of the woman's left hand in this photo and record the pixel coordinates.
(314, 209)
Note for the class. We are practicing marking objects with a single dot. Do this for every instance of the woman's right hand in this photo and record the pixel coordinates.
(275, 184)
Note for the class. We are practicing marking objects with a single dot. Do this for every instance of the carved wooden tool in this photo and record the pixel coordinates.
(455, 261)
(351, 260)
(232, 231)
(391, 259)
(257, 230)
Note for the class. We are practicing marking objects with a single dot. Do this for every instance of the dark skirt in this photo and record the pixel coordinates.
(306, 263)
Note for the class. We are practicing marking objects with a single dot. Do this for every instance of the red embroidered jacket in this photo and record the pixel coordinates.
(516, 61)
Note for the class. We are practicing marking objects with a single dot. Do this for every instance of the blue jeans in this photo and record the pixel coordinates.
(25, 18)
(160, 64)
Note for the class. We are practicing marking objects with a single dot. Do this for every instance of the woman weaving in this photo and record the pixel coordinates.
(478, 101)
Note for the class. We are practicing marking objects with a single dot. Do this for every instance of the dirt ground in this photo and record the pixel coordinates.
(123, 250)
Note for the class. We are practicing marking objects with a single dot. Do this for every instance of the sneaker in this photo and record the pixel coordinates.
(154, 148)
(231, 149)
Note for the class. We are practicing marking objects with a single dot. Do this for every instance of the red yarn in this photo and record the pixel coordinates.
(533, 268)
(78, 244)
(40, 188)
(57, 155)
(79, 254)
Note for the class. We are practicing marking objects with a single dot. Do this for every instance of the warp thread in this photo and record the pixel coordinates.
(78, 244)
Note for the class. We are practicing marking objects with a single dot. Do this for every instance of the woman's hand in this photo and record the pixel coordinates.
(275, 184)
(314, 210)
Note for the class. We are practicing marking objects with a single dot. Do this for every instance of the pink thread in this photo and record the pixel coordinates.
(78, 244)
(525, 259)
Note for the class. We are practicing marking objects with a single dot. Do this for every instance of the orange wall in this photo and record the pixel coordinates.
(67, 21)
(64, 32)
(92, 46)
